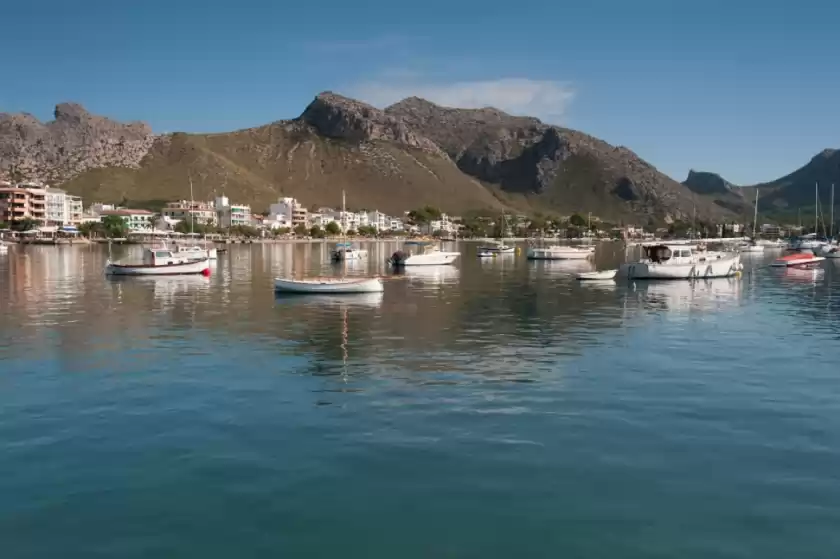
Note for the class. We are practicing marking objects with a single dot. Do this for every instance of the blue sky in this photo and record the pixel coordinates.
(746, 88)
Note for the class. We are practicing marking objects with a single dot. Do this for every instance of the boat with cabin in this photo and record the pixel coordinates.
(662, 262)
(422, 253)
(196, 252)
(346, 251)
(160, 261)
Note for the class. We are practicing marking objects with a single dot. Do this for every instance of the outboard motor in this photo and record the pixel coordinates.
(398, 258)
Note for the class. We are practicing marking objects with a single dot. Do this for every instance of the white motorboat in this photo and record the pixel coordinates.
(420, 253)
(831, 251)
(753, 248)
(196, 252)
(485, 254)
(603, 275)
(160, 262)
(4, 248)
(346, 251)
(497, 248)
(329, 285)
(681, 262)
(557, 252)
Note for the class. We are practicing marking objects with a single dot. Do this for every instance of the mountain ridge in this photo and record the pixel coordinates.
(409, 154)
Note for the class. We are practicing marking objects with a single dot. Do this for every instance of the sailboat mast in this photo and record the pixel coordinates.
(192, 215)
(755, 213)
(343, 231)
(831, 225)
(816, 207)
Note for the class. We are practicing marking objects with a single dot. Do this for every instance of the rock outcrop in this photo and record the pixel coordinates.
(73, 143)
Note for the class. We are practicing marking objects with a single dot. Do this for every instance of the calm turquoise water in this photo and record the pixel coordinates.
(492, 409)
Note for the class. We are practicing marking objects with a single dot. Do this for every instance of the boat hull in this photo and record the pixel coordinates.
(498, 250)
(701, 269)
(788, 262)
(562, 253)
(329, 286)
(603, 275)
(433, 259)
(178, 269)
(753, 249)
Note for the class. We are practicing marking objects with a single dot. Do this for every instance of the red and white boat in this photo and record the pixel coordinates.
(798, 259)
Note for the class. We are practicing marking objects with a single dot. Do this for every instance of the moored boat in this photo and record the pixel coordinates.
(558, 252)
(329, 285)
(420, 253)
(602, 275)
(346, 251)
(160, 262)
(196, 252)
(681, 262)
(805, 258)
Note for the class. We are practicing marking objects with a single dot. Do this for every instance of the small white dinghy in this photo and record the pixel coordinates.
(485, 254)
(329, 285)
(603, 275)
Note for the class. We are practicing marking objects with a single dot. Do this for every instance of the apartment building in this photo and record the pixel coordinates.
(24, 201)
(231, 215)
(137, 220)
(289, 210)
(186, 210)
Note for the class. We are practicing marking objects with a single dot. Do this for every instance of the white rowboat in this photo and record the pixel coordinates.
(329, 285)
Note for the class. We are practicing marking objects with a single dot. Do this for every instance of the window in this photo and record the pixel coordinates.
(162, 254)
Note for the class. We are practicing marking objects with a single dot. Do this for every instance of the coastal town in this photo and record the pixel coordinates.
(36, 212)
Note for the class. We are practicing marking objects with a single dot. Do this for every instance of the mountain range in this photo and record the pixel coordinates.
(411, 154)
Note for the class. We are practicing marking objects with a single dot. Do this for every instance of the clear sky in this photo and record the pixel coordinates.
(746, 88)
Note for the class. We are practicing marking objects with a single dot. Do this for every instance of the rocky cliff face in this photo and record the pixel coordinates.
(69, 145)
(335, 116)
(566, 169)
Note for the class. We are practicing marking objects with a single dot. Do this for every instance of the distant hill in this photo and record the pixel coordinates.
(719, 190)
(411, 154)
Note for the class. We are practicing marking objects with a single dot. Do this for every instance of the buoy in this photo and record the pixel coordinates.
(205, 272)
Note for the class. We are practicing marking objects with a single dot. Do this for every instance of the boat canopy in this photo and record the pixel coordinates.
(343, 244)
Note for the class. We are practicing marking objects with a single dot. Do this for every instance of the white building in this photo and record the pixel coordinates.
(186, 210)
(74, 209)
(56, 207)
(231, 215)
(137, 220)
(288, 210)
(444, 225)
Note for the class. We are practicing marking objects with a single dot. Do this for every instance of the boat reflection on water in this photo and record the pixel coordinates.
(702, 295)
(561, 267)
(431, 275)
(803, 275)
(167, 289)
(365, 300)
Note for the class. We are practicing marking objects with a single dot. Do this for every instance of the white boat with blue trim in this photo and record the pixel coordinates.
(665, 262)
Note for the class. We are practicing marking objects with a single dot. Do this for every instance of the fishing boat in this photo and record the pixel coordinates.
(346, 251)
(602, 275)
(160, 261)
(422, 253)
(331, 285)
(557, 252)
(802, 259)
(681, 262)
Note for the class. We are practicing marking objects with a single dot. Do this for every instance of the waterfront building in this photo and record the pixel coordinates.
(138, 221)
(24, 201)
(191, 211)
(289, 210)
(231, 215)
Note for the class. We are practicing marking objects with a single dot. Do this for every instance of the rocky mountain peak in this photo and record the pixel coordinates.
(703, 182)
(70, 112)
(337, 116)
